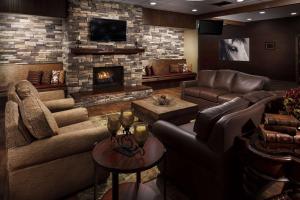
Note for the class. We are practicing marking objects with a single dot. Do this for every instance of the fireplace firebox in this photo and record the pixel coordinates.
(108, 77)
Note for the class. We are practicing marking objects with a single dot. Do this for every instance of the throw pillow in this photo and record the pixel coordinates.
(174, 68)
(55, 76)
(207, 118)
(144, 71)
(61, 77)
(35, 77)
(37, 118)
(149, 71)
(46, 78)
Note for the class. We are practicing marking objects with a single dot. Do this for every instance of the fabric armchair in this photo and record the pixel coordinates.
(55, 165)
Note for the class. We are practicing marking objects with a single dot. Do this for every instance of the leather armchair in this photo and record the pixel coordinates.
(207, 169)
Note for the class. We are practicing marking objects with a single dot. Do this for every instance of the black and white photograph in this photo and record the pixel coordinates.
(237, 49)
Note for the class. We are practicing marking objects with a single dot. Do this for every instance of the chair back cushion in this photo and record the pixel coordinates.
(12, 94)
(37, 118)
(25, 83)
(207, 118)
(206, 78)
(244, 83)
(16, 134)
(224, 79)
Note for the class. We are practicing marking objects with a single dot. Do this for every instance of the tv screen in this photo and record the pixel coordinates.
(210, 27)
(108, 30)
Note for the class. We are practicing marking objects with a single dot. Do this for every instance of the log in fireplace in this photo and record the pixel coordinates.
(108, 77)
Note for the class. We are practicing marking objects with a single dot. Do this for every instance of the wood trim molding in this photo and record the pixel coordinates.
(168, 19)
(250, 8)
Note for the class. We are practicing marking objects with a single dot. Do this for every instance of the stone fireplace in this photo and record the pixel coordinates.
(111, 77)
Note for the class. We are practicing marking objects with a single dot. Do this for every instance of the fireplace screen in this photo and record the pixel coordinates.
(108, 77)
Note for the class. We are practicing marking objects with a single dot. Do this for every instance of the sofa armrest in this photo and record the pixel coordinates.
(55, 147)
(72, 116)
(186, 84)
(185, 143)
(52, 95)
(60, 104)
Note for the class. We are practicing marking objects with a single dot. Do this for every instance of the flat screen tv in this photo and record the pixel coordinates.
(107, 30)
(210, 27)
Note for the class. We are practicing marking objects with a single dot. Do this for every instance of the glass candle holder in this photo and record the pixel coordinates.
(140, 133)
(113, 124)
(126, 119)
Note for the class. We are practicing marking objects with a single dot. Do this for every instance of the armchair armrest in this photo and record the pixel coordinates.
(186, 84)
(52, 95)
(55, 147)
(186, 143)
(60, 104)
(73, 116)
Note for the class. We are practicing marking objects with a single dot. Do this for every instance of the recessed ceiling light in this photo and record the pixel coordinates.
(239, 1)
(293, 13)
(194, 10)
(249, 19)
(153, 3)
(262, 12)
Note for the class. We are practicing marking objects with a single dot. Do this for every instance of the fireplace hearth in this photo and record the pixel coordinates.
(108, 77)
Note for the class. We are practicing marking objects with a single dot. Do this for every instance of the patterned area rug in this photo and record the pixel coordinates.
(146, 176)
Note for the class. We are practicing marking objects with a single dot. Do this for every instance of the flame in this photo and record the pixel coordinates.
(104, 75)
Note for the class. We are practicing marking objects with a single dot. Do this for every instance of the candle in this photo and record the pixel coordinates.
(141, 133)
(141, 128)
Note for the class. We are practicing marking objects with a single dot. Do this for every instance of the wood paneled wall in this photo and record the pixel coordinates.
(52, 8)
(168, 19)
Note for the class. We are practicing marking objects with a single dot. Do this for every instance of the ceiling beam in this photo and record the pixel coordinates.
(250, 8)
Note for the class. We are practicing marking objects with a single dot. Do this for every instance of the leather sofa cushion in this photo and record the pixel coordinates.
(206, 77)
(211, 94)
(228, 97)
(192, 91)
(256, 96)
(244, 83)
(224, 79)
(207, 118)
(37, 118)
(16, 132)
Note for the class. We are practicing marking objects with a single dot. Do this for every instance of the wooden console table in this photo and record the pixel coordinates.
(266, 164)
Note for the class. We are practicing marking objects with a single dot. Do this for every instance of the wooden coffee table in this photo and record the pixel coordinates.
(179, 112)
(105, 156)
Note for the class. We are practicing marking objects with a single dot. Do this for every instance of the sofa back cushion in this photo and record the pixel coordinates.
(224, 79)
(244, 83)
(37, 118)
(207, 118)
(16, 134)
(206, 78)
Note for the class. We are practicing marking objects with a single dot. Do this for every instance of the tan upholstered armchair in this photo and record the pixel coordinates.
(54, 100)
(48, 155)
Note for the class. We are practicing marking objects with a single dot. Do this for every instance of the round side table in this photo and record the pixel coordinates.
(105, 156)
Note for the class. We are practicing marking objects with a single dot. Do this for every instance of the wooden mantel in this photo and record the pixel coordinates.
(116, 51)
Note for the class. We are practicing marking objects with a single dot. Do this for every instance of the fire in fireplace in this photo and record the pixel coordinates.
(108, 77)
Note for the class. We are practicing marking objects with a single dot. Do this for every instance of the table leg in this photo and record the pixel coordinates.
(115, 186)
(165, 177)
(95, 183)
(138, 177)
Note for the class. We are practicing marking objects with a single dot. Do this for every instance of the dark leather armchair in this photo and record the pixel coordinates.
(206, 169)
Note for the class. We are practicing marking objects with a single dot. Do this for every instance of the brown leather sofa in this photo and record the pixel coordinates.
(48, 154)
(162, 77)
(214, 87)
(200, 155)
